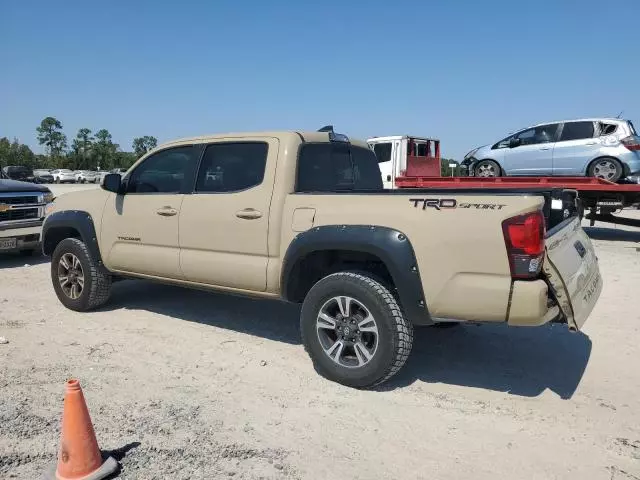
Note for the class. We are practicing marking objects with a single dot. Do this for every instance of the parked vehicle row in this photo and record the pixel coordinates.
(58, 175)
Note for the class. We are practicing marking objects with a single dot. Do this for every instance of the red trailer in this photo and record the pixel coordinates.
(598, 198)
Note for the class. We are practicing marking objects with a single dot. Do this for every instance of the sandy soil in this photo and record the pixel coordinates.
(185, 384)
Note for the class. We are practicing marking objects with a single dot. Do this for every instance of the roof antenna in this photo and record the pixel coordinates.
(620, 114)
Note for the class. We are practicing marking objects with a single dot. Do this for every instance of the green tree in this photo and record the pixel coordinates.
(50, 134)
(142, 145)
(16, 153)
(105, 150)
(81, 149)
(5, 151)
(445, 170)
(124, 159)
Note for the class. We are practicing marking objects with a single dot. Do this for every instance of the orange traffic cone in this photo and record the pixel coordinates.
(79, 456)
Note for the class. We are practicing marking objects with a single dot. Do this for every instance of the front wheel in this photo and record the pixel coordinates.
(354, 330)
(607, 169)
(77, 279)
(488, 168)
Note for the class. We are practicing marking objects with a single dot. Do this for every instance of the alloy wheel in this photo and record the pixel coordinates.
(605, 169)
(347, 332)
(486, 170)
(71, 276)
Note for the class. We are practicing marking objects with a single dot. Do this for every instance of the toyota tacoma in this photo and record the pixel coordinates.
(303, 216)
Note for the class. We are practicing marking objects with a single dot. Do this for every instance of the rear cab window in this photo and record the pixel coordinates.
(632, 128)
(337, 167)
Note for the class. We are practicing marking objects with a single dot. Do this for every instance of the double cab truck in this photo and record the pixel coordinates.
(303, 216)
(22, 212)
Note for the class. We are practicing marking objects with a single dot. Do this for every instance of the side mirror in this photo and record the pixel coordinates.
(514, 142)
(112, 182)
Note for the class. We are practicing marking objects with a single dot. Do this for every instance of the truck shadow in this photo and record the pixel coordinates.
(269, 319)
(612, 234)
(520, 361)
(15, 260)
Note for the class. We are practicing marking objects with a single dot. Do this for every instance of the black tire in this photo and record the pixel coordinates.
(394, 333)
(97, 283)
(611, 168)
(492, 168)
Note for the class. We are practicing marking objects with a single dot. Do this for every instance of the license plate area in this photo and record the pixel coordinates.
(571, 268)
(8, 243)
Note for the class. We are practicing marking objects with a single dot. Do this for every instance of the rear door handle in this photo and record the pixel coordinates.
(591, 143)
(167, 211)
(545, 148)
(249, 214)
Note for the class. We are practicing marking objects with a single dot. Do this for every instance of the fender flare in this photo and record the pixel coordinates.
(391, 246)
(77, 220)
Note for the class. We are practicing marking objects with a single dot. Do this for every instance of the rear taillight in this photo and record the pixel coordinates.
(632, 143)
(524, 239)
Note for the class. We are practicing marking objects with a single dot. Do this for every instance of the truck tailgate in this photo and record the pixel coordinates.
(571, 267)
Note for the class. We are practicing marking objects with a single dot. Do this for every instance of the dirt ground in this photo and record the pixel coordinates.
(185, 384)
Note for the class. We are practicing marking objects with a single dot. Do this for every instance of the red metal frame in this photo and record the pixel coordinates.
(574, 183)
(423, 166)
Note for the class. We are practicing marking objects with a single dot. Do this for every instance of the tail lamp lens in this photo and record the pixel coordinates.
(524, 239)
(632, 143)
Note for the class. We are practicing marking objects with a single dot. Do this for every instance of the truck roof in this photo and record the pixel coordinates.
(389, 138)
(306, 136)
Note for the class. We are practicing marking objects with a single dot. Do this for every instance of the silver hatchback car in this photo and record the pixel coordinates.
(607, 148)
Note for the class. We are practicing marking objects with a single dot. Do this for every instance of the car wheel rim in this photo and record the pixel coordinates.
(71, 276)
(486, 170)
(605, 169)
(347, 332)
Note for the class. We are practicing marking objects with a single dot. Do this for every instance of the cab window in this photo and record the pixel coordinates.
(232, 167)
(166, 171)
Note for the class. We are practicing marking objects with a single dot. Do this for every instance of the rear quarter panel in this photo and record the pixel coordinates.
(460, 251)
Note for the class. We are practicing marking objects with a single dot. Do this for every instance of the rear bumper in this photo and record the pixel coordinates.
(631, 162)
(529, 306)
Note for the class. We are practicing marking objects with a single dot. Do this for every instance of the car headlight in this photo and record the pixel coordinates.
(48, 197)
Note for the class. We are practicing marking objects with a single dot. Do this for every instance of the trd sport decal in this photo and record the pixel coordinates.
(447, 203)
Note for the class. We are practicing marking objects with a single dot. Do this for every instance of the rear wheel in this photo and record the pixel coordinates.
(354, 330)
(607, 169)
(488, 168)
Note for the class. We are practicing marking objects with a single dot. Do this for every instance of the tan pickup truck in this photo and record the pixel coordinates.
(303, 216)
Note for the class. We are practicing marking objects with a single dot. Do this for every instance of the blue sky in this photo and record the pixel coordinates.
(467, 72)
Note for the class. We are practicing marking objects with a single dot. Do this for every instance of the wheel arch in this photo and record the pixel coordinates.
(385, 253)
(70, 224)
